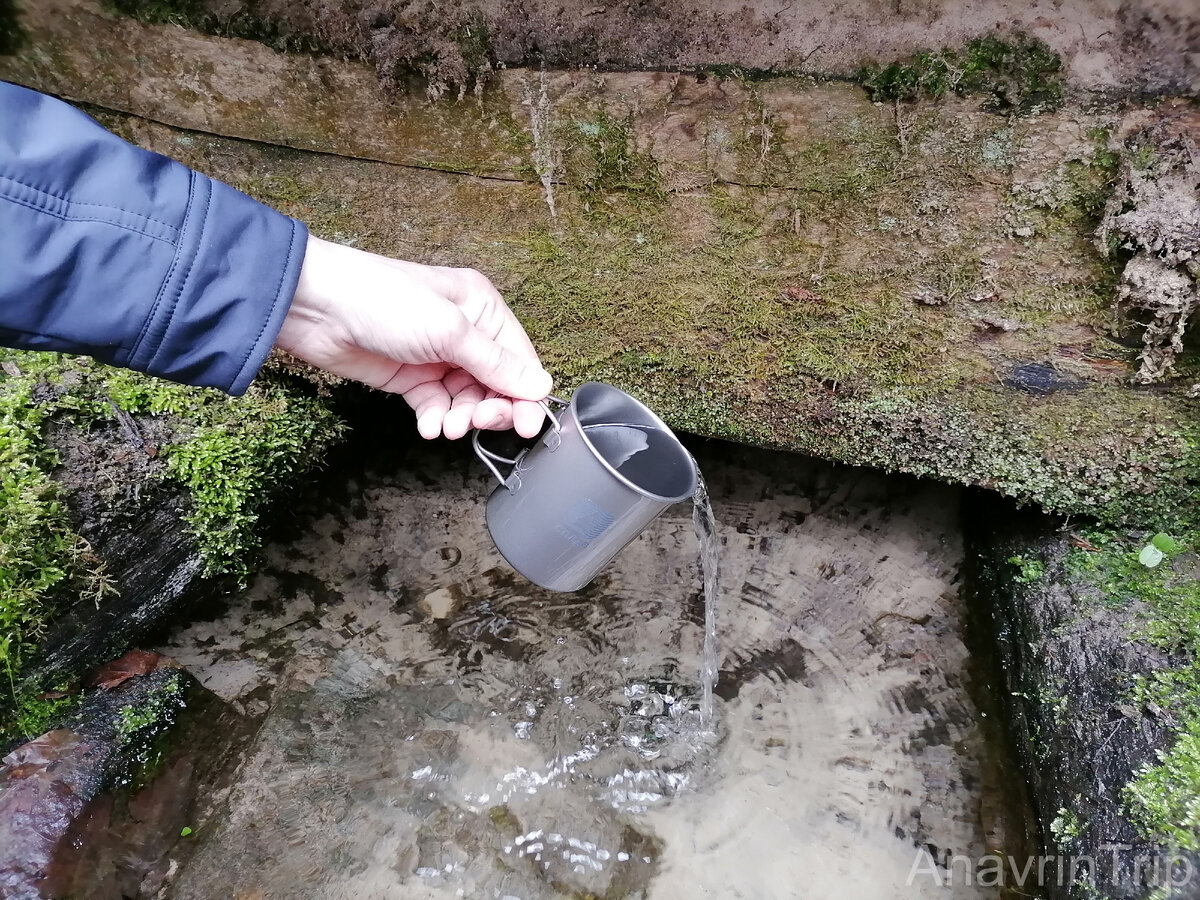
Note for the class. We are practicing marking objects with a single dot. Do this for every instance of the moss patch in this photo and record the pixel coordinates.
(233, 454)
(229, 452)
(42, 560)
(1017, 73)
(786, 310)
(1163, 799)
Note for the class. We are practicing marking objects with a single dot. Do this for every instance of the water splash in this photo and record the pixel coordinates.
(705, 525)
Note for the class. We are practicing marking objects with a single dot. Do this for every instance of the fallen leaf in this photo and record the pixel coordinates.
(1150, 556)
(37, 755)
(135, 662)
(1084, 543)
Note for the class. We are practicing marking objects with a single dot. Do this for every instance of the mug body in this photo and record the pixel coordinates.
(588, 488)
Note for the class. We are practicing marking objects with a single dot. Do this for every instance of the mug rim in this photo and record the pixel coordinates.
(693, 469)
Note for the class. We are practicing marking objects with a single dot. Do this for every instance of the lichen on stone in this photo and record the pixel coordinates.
(1154, 215)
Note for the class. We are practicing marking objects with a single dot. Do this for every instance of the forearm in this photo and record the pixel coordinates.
(128, 256)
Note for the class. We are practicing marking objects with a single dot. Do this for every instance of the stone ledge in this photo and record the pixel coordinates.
(780, 262)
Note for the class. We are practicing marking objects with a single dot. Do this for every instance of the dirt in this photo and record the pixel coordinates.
(1143, 46)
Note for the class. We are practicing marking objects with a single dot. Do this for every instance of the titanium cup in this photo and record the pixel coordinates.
(601, 472)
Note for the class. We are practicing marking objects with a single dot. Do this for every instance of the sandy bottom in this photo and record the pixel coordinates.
(435, 727)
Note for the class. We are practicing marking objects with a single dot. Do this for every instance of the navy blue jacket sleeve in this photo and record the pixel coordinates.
(113, 251)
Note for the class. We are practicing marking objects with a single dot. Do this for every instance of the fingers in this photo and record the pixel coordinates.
(482, 305)
(496, 366)
(527, 418)
(431, 402)
(462, 410)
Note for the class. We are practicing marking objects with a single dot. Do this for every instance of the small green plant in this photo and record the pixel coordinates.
(1161, 547)
(35, 714)
(1067, 826)
(1020, 74)
(154, 713)
(1028, 570)
(1163, 799)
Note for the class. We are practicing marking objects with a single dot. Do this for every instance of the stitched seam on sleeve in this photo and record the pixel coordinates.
(287, 263)
(191, 264)
(62, 208)
(183, 231)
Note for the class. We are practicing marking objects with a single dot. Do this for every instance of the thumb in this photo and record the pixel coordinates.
(496, 366)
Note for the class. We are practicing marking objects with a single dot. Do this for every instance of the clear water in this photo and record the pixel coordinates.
(432, 726)
(705, 525)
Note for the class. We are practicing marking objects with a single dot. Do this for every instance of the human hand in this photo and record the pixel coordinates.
(441, 337)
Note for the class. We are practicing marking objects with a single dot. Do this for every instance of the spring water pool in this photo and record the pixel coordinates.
(432, 726)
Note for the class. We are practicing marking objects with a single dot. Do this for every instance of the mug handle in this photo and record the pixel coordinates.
(490, 458)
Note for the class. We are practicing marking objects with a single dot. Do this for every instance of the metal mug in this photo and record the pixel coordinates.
(602, 471)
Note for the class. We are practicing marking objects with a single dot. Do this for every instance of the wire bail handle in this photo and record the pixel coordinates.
(552, 440)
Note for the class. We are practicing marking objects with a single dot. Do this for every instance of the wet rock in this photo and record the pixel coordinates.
(1036, 378)
(1066, 663)
(96, 809)
(133, 519)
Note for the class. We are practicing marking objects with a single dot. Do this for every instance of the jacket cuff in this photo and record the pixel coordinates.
(226, 293)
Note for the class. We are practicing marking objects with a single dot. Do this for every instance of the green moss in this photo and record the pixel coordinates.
(783, 314)
(1029, 448)
(1020, 74)
(232, 453)
(600, 154)
(1163, 799)
(36, 713)
(236, 455)
(145, 729)
(1067, 826)
(154, 713)
(1028, 570)
(41, 559)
